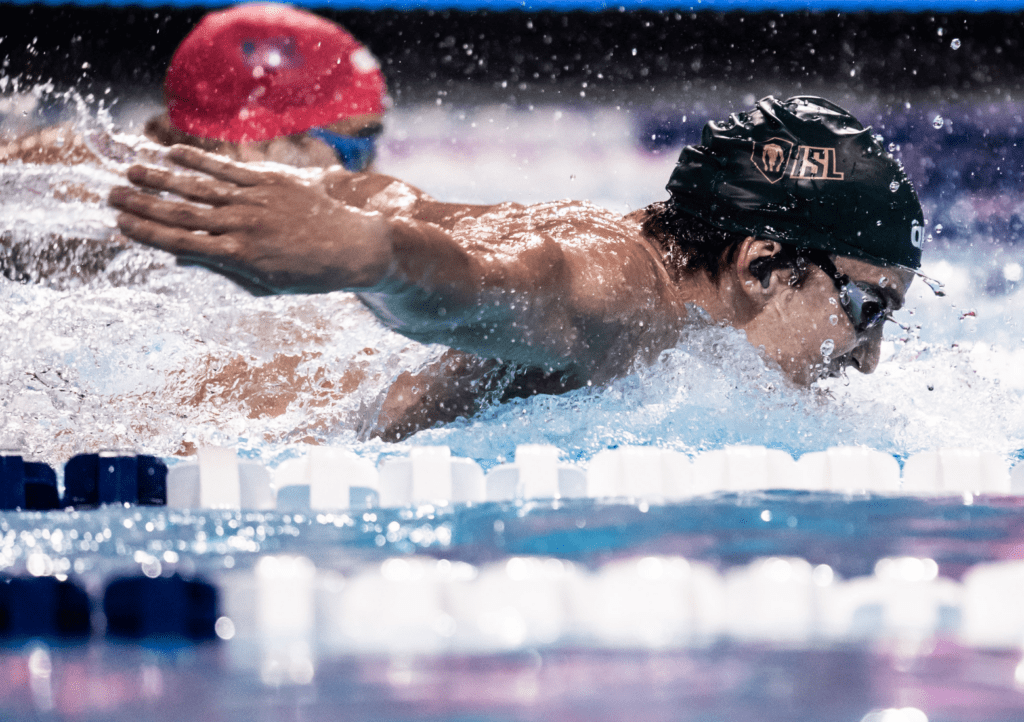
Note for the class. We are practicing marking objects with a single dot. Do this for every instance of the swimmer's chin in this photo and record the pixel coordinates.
(808, 376)
(836, 369)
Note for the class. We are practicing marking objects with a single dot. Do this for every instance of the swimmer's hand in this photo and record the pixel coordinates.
(270, 231)
(558, 287)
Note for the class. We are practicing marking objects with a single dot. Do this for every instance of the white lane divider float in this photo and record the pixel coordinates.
(955, 471)
(333, 478)
(536, 473)
(217, 480)
(325, 478)
(285, 612)
(430, 475)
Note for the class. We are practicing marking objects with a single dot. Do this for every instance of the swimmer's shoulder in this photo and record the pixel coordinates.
(57, 144)
(560, 220)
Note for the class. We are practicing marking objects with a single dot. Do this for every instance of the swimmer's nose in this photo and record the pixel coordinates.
(865, 357)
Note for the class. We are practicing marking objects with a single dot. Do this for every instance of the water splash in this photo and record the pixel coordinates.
(121, 348)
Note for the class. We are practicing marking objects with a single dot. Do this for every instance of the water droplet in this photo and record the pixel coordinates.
(833, 301)
(938, 228)
(955, 44)
(879, 222)
(894, 186)
(938, 122)
(833, 319)
(936, 286)
(883, 281)
(827, 347)
(969, 314)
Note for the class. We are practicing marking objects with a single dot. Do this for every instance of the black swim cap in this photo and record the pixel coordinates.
(803, 172)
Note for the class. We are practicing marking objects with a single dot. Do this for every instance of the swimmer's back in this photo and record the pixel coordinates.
(58, 144)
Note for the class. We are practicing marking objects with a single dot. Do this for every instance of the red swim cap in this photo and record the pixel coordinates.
(261, 71)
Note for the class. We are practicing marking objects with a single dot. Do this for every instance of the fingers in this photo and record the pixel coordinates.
(175, 214)
(174, 240)
(216, 253)
(201, 189)
(215, 166)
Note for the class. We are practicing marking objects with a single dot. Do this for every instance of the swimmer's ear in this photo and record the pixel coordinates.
(159, 130)
(755, 263)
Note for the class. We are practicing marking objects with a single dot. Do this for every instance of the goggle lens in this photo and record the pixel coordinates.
(865, 307)
(355, 152)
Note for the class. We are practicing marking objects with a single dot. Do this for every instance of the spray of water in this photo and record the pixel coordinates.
(110, 345)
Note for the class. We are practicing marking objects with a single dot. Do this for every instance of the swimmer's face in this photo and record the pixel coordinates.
(806, 331)
(301, 150)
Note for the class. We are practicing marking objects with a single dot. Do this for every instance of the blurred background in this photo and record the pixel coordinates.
(904, 67)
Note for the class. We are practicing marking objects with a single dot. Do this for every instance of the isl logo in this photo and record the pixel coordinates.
(771, 157)
(776, 157)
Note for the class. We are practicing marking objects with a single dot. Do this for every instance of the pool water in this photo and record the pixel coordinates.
(135, 353)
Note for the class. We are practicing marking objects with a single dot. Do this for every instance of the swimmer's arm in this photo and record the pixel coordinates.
(50, 145)
(391, 196)
(271, 232)
(588, 308)
(274, 232)
(583, 307)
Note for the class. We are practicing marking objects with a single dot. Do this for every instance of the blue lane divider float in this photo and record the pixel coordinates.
(135, 607)
(27, 485)
(43, 607)
(166, 607)
(94, 479)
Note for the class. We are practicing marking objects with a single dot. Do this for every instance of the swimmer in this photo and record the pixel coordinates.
(260, 82)
(789, 222)
(267, 82)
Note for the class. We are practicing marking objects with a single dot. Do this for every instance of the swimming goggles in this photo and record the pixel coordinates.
(355, 152)
(864, 303)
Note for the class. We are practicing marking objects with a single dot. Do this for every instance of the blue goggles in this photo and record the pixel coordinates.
(355, 152)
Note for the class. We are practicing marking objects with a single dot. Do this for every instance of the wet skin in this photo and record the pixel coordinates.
(798, 321)
(558, 287)
(299, 150)
(441, 392)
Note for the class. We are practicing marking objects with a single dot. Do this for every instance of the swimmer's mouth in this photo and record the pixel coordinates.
(837, 367)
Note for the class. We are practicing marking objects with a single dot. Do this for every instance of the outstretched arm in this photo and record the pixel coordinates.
(267, 227)
(571, 290)
(393, 197)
